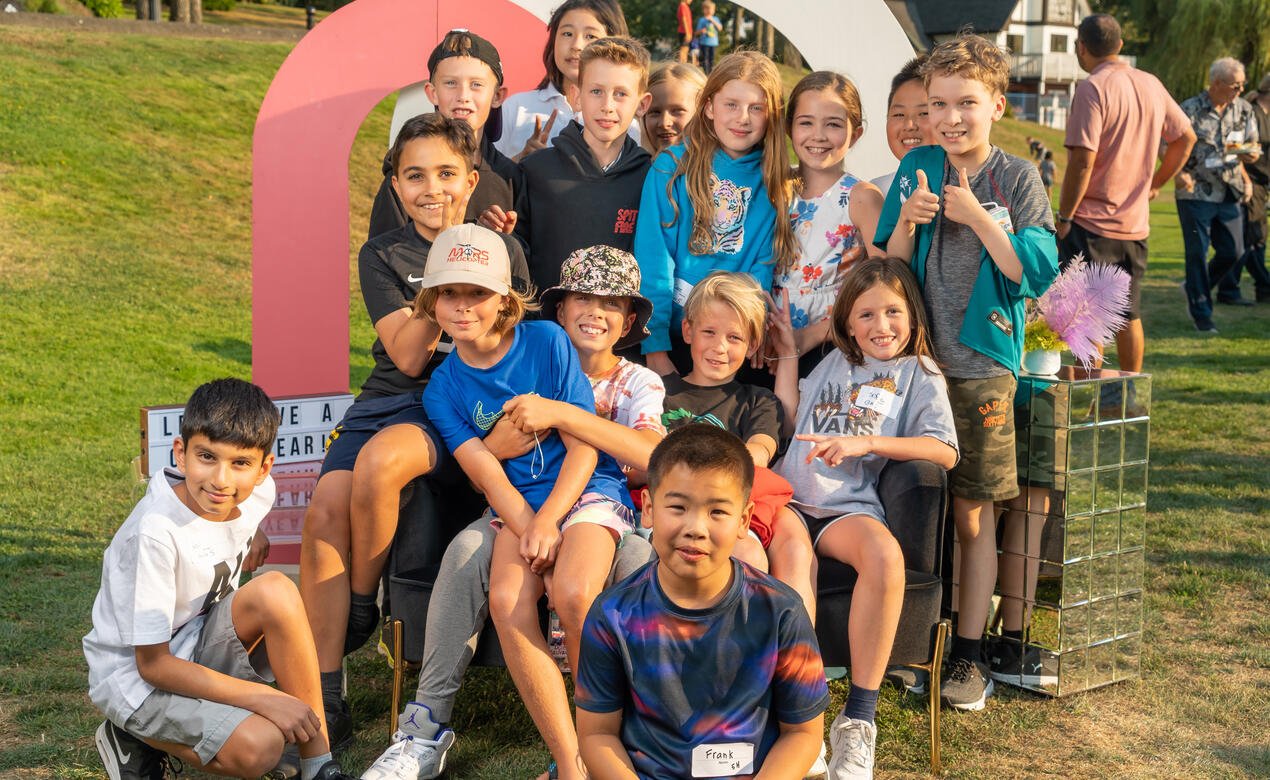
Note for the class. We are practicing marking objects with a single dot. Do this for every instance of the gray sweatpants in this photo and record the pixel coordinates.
(459, 607)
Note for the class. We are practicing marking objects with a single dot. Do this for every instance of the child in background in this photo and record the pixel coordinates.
(906, 116)
(1047, 169)
(713, 204)
(708, 29)
(531, 119)
(834, 214)
(599, 306)
(697, 665)
(724, 320)
(179, 656)
(979, 247)
(889, 402)
(585, 189)
(674, 87)
(684, 28)
(562, 508)
(465, 82)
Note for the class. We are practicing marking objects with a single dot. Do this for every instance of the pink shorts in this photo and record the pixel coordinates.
(594, 508)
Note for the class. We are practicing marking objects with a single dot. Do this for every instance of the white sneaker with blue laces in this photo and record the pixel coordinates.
(418, 748)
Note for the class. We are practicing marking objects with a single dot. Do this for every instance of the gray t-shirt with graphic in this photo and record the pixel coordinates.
(952, 265)
(895, 397)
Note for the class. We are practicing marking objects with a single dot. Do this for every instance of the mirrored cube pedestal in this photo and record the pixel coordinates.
(1070, 569)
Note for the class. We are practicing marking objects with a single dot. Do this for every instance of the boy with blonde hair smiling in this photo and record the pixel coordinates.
(724, 320)
(976, 226)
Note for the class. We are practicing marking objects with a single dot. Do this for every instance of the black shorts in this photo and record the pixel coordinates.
(1122, 253)
(366, 418)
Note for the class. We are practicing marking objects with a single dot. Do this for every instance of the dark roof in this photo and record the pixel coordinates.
(946, 17)
(906, 13)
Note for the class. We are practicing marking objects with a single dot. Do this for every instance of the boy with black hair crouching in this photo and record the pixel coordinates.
(179, 656)
(720, 657)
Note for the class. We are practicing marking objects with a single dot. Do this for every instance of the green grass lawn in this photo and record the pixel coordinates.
(125, 251)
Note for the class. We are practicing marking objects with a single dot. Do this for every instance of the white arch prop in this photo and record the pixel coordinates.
(857, 38)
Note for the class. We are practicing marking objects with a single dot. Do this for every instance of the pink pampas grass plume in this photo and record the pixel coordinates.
(1085, 306)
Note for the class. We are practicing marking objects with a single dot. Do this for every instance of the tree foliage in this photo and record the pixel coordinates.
(1178, 40)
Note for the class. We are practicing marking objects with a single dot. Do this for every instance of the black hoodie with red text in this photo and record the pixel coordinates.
(572, 203)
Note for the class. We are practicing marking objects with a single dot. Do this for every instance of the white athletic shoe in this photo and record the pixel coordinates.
(853, 742)
(820, 768)
(412, 756)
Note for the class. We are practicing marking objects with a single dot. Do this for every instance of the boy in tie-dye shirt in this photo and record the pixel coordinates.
(698, 665)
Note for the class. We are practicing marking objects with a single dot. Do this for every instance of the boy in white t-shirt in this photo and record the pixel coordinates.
(178, 656)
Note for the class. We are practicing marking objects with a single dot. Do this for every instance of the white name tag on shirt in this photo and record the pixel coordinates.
(1000, 214)
(877, 399)
(682, 288)
(724, 760)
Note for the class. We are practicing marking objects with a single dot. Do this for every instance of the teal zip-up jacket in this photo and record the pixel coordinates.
(744, 234)
(994, 316)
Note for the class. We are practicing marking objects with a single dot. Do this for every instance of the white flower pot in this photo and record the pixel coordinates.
(1042, 362)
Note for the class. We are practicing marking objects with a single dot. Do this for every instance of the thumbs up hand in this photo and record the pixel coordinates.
(960, 203)
(922, 205)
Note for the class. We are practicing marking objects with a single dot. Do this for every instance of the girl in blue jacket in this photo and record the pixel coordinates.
(718, 203)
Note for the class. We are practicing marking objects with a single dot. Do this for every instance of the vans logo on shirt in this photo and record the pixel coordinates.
(625, 221)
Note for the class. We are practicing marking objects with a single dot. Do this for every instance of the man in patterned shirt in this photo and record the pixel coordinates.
(1211, 187)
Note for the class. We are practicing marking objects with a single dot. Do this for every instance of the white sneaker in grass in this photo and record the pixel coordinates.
(853, 742)
(418, 748)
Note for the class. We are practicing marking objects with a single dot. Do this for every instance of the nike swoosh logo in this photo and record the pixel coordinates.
(411, 278)
(119, 748)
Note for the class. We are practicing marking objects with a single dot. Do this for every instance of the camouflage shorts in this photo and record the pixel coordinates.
(983, 412)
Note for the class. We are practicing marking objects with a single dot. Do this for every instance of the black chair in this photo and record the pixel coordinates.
(914, 494)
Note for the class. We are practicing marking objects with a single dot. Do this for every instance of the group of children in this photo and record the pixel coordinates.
(723, 351)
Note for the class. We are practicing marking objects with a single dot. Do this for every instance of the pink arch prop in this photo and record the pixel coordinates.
(304, 132)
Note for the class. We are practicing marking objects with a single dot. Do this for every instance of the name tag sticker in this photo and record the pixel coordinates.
(1000, 214)
(682, 288)
(724, 760)
(877, 399)
(1004, 325)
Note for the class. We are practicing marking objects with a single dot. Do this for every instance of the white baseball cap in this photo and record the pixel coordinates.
(469, 254)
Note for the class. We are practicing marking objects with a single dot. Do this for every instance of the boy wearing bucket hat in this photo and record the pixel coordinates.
(599, 306)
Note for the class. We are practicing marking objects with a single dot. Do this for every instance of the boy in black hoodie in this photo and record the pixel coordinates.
(465, 81)
(585, 187)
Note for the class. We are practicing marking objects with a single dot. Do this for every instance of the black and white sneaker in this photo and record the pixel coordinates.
(332, 770)
(128, 758)
(1008, 665)
(966, 686)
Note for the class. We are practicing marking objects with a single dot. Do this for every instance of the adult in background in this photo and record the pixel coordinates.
(1118, 117)
(1255, 207)
(1211, 188)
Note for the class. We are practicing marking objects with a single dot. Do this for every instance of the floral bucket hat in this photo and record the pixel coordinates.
(602, 270)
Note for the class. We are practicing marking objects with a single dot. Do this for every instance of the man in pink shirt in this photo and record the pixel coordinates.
(1118, 117)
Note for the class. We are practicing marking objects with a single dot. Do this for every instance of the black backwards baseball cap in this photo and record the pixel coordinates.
(464, 43)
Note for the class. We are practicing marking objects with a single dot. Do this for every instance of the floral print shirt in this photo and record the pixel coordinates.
(828, 244)
(1215, 172)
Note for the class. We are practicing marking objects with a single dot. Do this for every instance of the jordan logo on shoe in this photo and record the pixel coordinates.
(411, 722)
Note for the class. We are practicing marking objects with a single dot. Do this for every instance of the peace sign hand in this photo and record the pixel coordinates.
(541, 135)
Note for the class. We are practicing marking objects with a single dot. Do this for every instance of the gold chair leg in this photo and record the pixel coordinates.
(398, 672)
(941, 636)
